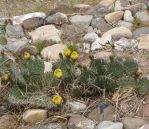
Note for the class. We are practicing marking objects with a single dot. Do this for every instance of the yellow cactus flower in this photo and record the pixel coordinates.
(26, 55)
(58, 73)
(74, 55)
(67, 52)
(57, 100)
(5, 77)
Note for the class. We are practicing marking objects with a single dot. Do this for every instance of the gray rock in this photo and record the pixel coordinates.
(100, 24)
(46, 126)
(14, 44)
(121, 4)
(20, 19)
(46, 33)
(134, 123)
(128, 16)
(76, 107)
(143, 42)
(110, 125)
(58, 18)
(126, 44)
(14, 31)
(136, 7)
(72, 32)
(128, 25)
(80, 122)
(97, 10)
(143, 16)
(52, 52)
(141, 31)
(104, 112)
(90, 37)
(80, 20)
(114, 17)
(119, 32)
(33, 23)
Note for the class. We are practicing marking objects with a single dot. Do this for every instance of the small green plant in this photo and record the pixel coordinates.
(40, 45)
(137, 23)
(3, 40)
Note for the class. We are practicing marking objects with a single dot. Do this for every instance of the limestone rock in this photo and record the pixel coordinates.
(110, 125)
(58, 18)
(76, 106)
(46, 33)
(34, 115)
(143, 16)
(80, 20)
(141, 31)
(119, 32)
(128, 16)
(90, 37)
(33, 23)
(143, 42)
(100, 24)
(52, 52)
(80, 122)
(134, 123)
(114, 17)
(20, 19)
(14, 31)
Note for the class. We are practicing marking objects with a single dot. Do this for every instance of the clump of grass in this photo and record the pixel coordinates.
(40, 45)
(137, 23)
(3, 40)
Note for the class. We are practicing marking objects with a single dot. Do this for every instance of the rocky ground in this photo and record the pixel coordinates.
(100, 29)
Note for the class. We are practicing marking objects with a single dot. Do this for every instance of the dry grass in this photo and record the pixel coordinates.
(18, 7)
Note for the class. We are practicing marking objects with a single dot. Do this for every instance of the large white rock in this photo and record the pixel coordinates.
(47, 33)
(119, 32)
(126, 44)
(81, 20)
(128, 16)
(52, 52)
(34, 115)
(20, 19)
(110, 125)
(96, 45)
(114, 16)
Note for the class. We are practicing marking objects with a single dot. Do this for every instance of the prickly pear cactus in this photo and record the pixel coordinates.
(131, 67)
(143, 86)
(106, 83)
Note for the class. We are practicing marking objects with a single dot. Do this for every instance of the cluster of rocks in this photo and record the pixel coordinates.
(101, 117)
(99, 28)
